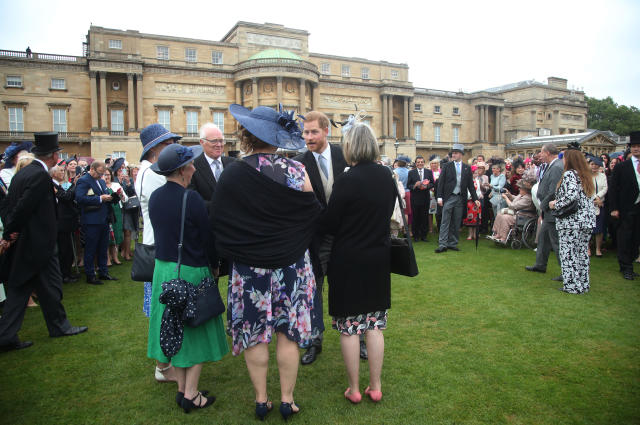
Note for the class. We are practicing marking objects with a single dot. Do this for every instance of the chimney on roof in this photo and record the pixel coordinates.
(557, 82)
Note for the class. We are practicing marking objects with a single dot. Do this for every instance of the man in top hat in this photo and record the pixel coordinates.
(420, 181)
(454, 184)
(29, 241)
(624, 194)
(211, 163)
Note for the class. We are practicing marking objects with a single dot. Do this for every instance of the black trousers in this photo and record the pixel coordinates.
(419, 224)
(47, 284)
(628, 238)
(65, 253)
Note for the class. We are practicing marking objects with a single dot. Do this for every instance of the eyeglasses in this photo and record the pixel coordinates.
(218, 142)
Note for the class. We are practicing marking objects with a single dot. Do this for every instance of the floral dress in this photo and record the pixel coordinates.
(264, 301)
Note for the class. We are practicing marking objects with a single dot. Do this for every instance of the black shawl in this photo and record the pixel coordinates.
(260, 222)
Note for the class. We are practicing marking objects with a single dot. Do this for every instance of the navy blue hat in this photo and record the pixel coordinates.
(403, 158)
(278, 129)
(45, 142)
(175, 156)
(595, 160)
(154, 134)
(13, 149)
(117, 164)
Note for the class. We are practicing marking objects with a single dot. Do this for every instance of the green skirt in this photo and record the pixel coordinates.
(206, 343)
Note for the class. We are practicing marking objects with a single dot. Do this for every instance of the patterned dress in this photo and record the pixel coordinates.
(264, 301)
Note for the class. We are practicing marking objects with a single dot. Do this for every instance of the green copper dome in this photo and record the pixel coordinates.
(275, 54)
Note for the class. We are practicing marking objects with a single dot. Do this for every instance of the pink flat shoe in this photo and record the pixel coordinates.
(374, 395)
(354, 398)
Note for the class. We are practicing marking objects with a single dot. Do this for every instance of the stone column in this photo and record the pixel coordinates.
(486, 122)
(94, 99)
(411, 129)
(498, 124)
(390, 111)
(303, 95)
(405, 118)
(130, 103)
(239, 92)
(315, 97)
(482, 118)
(279, 89)
(254, 91)
(478, 121)
(103, 100)
(139, 103)
(556, 122)
(385, 114)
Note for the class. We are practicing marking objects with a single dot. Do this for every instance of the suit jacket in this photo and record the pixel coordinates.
(203, 180)
(88, 191)
(32, 214)
(547, 188)
(447, 182)
(67, 209)
(420, 197)
(338, 164)
(624, 188)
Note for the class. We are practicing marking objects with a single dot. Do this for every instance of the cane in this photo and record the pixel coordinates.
(75, 257)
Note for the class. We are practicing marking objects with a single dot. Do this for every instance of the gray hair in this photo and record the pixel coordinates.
(205, 126)
(97, 164)
(550, 148)
(360, 144)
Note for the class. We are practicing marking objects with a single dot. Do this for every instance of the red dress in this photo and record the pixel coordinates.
(473, 210)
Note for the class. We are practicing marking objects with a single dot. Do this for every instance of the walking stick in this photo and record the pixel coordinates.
(75, 257)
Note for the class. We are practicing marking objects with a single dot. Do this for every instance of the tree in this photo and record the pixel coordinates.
(605, 114)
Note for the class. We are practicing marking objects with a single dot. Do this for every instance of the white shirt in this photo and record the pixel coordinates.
(151, 181)
(634, 162)
(212, 165)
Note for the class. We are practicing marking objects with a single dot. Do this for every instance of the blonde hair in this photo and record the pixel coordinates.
(360, 144)
(24, 160)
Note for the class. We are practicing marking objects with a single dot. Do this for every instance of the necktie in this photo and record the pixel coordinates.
(323, 165)
(457, 167)
(421, 175)
(218, 169)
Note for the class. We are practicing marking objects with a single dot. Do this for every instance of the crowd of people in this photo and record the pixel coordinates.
(277, 226)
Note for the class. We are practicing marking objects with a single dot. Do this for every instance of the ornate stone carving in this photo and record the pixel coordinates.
(268, 86)
(290, 87)
(274, 41)
(338, 100)
(190, 89)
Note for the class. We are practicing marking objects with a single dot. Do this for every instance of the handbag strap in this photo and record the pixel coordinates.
(404, 219)
(184, 208)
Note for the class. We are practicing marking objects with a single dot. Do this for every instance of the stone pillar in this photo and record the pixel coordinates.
(94, 99)
(103, 100)
(556, 122)
(478, 123)
(239, 93)
(405, 118)
(254, 91)
(139, 103)
(131, 103)
(315, 97)
(390, 116)
(411, 129)
(279, 89)
(498, 124)
(482, 118)
(303, 95)
(486, 122)
(385, 115)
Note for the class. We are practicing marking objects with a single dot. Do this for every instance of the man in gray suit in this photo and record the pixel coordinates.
(548, 235)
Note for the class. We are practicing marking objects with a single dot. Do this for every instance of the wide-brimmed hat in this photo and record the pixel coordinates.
(154, 134)
(14, 148)
(458, 147)
(278, 129)
(117, 164)
(634, 138)
(404, 158)
(45, 142)
(595, 160)
(481, 164)
(175, 156)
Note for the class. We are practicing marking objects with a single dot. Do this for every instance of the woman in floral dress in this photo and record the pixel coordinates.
(264, 216)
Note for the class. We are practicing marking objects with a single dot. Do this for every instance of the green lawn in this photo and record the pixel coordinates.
(473, 339)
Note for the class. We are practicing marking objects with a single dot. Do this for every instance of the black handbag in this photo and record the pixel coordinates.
(402, 258)
(572, 208)
(144, 257)
(132, 203)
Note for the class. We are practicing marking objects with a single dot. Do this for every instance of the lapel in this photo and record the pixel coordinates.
(204, 168)
(313, 171)
(337, 161)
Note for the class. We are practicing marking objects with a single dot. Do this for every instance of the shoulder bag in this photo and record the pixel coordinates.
(402, 258)
(570, 208)
(144, 256)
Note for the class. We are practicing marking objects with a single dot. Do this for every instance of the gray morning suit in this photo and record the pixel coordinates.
(548, 235)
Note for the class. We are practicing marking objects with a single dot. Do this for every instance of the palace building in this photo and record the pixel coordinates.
(127, 80)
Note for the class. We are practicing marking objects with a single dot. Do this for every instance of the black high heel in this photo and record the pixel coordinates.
(180, 396)
(188, 404)
(286, 409)
(263, 408)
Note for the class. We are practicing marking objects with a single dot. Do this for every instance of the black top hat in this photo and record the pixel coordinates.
(634, 138)
(46, 142)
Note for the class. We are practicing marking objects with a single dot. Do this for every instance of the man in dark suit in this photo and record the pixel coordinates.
(420, 182)
(211, 163)
(624, 195)
(547, 235)
(94, 202)
(454, 184)
(324, 163)
(29, 241)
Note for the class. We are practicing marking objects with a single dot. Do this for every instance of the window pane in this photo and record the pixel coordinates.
(119, 154)
(456, 134)
(190, 55)
(216, 57)
(365, 73)
(14, 81)
(15, 119)
(57, 83)
(417, 130)
(346, 70)
(436, 133)
(192, 122)
(60, 120)
(162, 52)
(218, 120)
(395, 127)
(326, 68)
(164, 118)
(117, 120)
(115, 44)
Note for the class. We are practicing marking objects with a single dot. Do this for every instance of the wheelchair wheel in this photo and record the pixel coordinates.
(529, 233)
(516, 244)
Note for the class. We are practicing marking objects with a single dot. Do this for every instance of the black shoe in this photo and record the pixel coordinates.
(187, 404)
(535, 269)
(286, 409)
(15, 346)
(94, 281)
(424, 239)
(69, 279)
(363, 351)
(180, 396)
(628, 275)
(263, 408)
(311, 354)
(73, 330)
(557, 279)
(108, 277)
(440, 249)
(454, 248)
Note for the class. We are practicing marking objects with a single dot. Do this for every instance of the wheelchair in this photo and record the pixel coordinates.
(523, 232)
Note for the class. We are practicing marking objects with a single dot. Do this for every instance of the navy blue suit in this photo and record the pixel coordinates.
(94, 216)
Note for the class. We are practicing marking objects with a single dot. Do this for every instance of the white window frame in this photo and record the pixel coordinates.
(218, 120)
(364, 73)
(192, 127)
(162, 114)
(456, 134)
(345, 70)
(325, 68)
(217, 57)
(417, 131)
(417, 107)
(118, 154)
(437, 132)
(394, 129)
(395, 74)
(16, 119)
(59, 120)
(14, 80)
(117, 124)
(190, 54)
(58, 84)
(162, 53)
(436, 109)
(115, 44)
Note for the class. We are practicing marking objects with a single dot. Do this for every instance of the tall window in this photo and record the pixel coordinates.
(60, 120)
(117, 120)
(436, 132)
(346, 70)
(57, 84)
(162, 52)
(216, 58)
(394, 129)
(365, 73)
(218, 120)
(417, 131)
(190, 55)
(456, 134)
(115, 44)
(14, 81)
(16, 122)
(192, 122)
(326, 68)
(436, 109)
(164, 118)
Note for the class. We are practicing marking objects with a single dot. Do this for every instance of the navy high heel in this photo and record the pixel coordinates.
(286, 409)
(180, 396)
(263, 408)
(188, 404)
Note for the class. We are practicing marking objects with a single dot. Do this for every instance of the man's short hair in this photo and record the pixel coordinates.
(419, 157)
(323, 121)
(550, 148)
(97, 164)
(208, 125)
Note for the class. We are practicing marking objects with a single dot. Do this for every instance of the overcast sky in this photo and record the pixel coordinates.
(451, 45)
